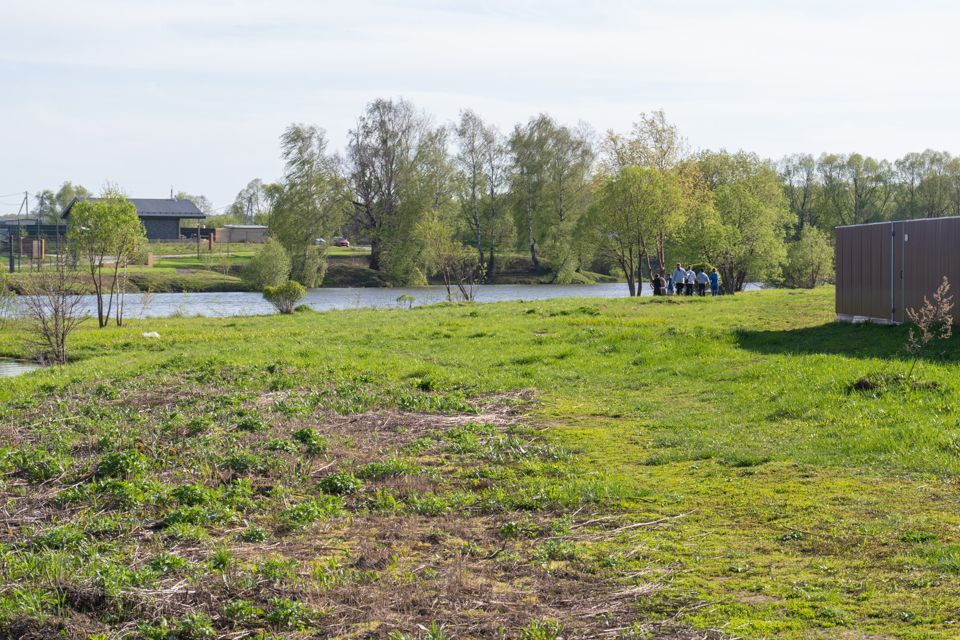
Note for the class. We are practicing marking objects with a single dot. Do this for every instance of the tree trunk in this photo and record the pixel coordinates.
(533, 242)
(375, 254)
(476, 224)
(489, 273)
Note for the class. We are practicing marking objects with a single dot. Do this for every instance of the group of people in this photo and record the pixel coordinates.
(686, 282)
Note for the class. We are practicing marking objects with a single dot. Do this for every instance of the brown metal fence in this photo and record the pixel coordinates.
(887, 267)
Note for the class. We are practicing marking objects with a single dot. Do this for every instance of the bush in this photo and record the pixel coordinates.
(284, 297)
(312, 269)
(269, 267)
(809, 260)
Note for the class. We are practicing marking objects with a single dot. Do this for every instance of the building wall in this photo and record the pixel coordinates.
(884, 269)
(240, 234)
(162, 228)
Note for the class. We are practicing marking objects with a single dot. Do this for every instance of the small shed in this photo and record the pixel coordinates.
(885, 268)
(160, 216)
(255, 233)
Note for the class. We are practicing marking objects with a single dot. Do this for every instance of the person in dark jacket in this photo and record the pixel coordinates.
(657, 285)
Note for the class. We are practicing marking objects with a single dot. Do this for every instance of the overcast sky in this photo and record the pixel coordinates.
(194, 94)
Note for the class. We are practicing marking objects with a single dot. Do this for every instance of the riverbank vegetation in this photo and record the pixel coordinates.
(542, 190)
(669, 468)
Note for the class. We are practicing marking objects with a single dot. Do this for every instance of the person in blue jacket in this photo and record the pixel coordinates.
(714, 282)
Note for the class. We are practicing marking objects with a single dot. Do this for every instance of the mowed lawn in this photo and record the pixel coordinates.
(706, 464)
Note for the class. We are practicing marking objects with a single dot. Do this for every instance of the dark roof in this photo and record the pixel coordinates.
(155, 208)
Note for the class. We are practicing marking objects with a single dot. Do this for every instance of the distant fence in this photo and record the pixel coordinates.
(53, 237)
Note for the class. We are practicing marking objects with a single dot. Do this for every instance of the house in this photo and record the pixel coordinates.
(160, 216)
(885, 268)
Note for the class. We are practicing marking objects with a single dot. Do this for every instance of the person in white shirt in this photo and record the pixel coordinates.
(702, 280)
(679, 277)
(691, 279)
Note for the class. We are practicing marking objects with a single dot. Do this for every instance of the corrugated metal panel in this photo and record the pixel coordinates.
(884, 269)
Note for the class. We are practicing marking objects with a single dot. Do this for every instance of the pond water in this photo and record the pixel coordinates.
(11, 368)
(242, 303)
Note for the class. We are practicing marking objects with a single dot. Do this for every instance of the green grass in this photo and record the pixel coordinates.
(363, 471)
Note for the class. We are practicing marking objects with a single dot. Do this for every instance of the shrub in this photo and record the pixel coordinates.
(195, 626)
(300, 516)
(122, 464)
(340, 483)
(284, 297)
(932, 321)
(312, 441)
(268, 268)
(288, 614)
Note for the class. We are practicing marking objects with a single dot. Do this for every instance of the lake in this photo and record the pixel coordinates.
(11, 368)
(242, 303)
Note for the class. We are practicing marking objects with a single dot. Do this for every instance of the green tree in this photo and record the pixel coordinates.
(656, 143)
(269, 267)
(809, 260)
(627, 215)
(528, 148)
(45, 207)
(568, 189)
(855, 189)
(399, 170)
(203, 202)
(445, 256)
(106, 234)
(653, 142)
(743, 232)
(802, 188)
(68, 191)
(311, 203)
(551, 181)
(253, 203)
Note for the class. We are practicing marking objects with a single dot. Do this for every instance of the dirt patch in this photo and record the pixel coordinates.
(272, 512)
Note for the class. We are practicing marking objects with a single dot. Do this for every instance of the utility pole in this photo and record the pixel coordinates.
(39, 241)
(250, 208)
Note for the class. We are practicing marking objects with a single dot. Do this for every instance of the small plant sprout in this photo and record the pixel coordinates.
(932, 321)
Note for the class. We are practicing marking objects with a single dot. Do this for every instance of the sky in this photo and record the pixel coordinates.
(194, 94)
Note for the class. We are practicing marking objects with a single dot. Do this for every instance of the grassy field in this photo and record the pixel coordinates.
(739, 467)
(155, 279)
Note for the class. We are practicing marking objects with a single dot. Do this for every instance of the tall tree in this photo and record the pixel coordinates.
(568, 168)
(656, 143)
(629, 210)
(799, 175)
(483, 161)
(68, 191)
(46, 208)
(473, 148)
(743, 234)
(528, 147)
(106, 234)
(855, 189)
(653, 142)
(386, 152)
(312, 201)
(203, 202)
(253, 202)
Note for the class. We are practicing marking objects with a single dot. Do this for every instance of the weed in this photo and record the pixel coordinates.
(312, 442)
(340, 483)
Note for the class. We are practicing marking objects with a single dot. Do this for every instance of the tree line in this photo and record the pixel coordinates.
(451, 200)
